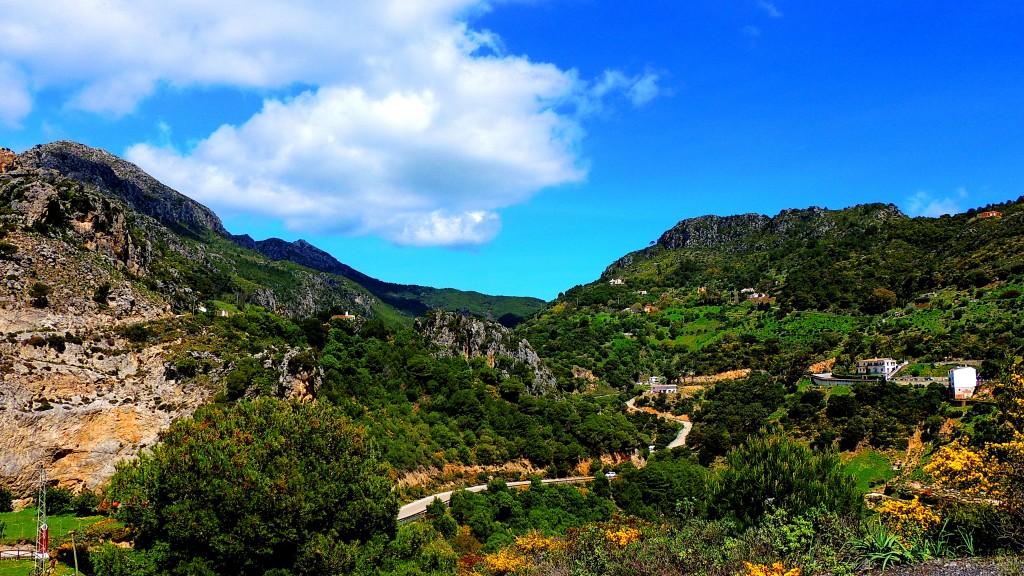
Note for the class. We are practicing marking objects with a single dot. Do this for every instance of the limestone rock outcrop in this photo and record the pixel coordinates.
(454, 334)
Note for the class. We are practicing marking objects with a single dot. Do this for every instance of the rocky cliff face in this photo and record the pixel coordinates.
(74, 397)
(126, 182)
(461, 335)
(77, 267)
(7, 158)
(78, 409)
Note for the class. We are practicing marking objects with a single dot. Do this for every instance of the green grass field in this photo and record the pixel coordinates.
(25, 568)
(870, 468)
(21, 526)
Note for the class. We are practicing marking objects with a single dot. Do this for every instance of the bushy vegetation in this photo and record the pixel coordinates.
(428, 411)
(251, 488)
(5, 499)
(255, 485)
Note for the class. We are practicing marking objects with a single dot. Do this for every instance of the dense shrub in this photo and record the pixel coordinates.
(249, 488)
(772, 471)
(39, 293)
(138, 333)
(58, 501)
(85, 503)
(5, 499)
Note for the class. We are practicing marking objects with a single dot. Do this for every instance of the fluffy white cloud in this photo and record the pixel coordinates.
(15, 100)
(924, 203)
(417, 128)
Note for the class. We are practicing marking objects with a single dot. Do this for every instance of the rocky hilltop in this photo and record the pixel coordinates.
(126, 182)
(748, 232)
(463, 335)
(299, 252)
(411, 299)
(83, 384)
(7, 158)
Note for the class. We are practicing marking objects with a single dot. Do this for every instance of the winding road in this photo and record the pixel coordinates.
(415, 509)
(680, 439)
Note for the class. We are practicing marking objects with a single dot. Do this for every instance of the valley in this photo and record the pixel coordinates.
(198, 383)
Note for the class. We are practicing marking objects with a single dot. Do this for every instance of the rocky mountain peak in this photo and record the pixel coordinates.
(126, 182)
(7, 159)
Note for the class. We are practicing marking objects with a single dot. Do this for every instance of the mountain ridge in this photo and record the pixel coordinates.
(745, 232)
(133, 186)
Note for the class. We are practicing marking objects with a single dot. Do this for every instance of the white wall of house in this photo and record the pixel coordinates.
(962, 382)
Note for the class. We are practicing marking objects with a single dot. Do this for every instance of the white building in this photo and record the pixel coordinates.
(883, 367)
(655, 386)
(962, 382)
(616, 281)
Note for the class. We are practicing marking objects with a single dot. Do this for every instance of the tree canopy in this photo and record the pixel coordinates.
(253, 487)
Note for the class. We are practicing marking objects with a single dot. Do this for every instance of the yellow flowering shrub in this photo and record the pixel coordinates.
(623, 536)
(908, 518)
(962, 468)
(534, 542)
(505, 561)
(776, 569)
(1011, 404)
(989, 470)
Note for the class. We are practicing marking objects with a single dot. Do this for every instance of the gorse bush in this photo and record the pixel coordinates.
(995, 469)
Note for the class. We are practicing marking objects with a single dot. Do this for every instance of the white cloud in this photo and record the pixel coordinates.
(769, 9)
(422, 168)
(592, 97)
(644, 89)
(924, 203)
(15, 100)
(417, 128)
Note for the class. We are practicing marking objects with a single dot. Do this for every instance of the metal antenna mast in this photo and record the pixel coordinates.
(42, 554)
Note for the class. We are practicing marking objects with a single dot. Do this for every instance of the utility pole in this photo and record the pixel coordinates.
(42, 554)
(74, 550)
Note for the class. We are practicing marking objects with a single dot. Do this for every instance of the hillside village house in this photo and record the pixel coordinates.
(752, 294)
(655, 386)
(962, 382)
(616, 281)
(991, 214)
(883, 367)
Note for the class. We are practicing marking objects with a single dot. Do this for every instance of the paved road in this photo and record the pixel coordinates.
(414, 510)
(680, 439)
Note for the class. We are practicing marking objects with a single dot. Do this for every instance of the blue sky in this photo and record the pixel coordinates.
(520, 147)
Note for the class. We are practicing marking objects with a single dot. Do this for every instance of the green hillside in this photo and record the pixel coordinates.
(779, 294)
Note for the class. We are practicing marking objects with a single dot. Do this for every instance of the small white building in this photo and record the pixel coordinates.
(649, 380)
(656, 386)
(883, 367)
(616, 281)
(962, 382)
